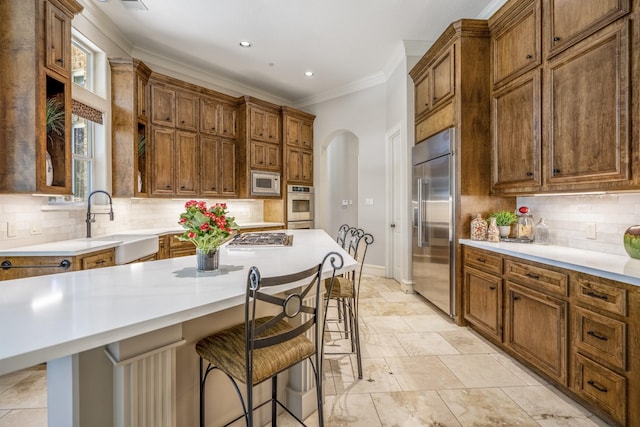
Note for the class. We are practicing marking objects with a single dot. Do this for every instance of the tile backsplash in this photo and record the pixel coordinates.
(568, 216)
(34, 221)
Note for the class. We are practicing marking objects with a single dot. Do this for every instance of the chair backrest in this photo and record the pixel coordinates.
(362, 245)
(342, 234)
(296, 302)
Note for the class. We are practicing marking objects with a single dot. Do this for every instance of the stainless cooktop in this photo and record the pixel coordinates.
(262, 239)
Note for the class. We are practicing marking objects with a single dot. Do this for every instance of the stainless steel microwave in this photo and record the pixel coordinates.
(265, 183)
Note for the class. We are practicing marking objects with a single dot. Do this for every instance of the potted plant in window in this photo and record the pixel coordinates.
(54, 125)
(504, 219)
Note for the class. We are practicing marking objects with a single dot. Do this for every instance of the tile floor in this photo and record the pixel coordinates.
(419, 370)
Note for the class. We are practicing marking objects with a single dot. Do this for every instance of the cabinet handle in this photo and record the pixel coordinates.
(597, 335)
(213, 188)
(426, 104)
(167, 187)
(144, 111)
(481, 260)
(168, 118)
(434, 99)
(529, 56)
(180, 122)
(529, 173)
(516, 298)
(60, 61)
(182, 188)
(556, 171)
(556, 39)
(597, 386)
(100, 261)
(533, 276)
(492, 288)
(596, 295)
(224, 189)
(224, 131)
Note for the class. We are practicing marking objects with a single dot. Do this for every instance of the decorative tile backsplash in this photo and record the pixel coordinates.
(568, 217)
(34, 221)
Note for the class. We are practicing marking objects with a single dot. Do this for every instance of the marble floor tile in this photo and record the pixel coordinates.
(376, 376)
(489, 407)
(467, 342)
(25, 418)
(393, 308)
(384, 324)
(400, 297)
(425, 343)
(480, 370)
(422, 373)
(381, 345)
(421, 307)
(30, 392)
(430, 323)
(413, 409)
(518, 370)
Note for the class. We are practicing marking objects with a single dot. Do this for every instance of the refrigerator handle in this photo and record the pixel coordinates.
(419, 212)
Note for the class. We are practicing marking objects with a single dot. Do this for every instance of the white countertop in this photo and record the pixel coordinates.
(82, 246)
(615, 267)
(47, 317)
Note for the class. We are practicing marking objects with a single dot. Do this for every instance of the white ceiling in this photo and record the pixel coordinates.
(344, 42)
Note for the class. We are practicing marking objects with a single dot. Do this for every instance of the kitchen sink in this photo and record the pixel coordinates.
(131, 246)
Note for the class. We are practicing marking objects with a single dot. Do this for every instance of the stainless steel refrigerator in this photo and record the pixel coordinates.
(433, 220)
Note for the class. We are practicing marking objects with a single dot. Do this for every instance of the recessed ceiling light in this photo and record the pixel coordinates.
(245, 43)
(103, 1)
(308, 73)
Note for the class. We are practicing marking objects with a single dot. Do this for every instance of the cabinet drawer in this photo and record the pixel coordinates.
(600, 337)
(593, 292)
(98, 260)
(537, 277)
(483, 260)
(601, 386)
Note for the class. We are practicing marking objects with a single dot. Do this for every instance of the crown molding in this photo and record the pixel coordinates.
(92, 16)
(364, 83)
(491, 8)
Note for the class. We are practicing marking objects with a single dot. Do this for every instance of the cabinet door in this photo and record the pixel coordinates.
(209, 170)
(545, 345)
(292, 126)
(187, 111)
(227, 168)
(442, 77)
(272, 127)
(306, 134)
(588, 126)
(306, 162)
(58, 40)
(228, 117)
(572, 20)
(258, 124)
(141, 96)
(516, 46)
(106, 258)
(422, 94)
(516, 113)
(163, 106)
(187, 164)
(483, 301)
(208, 116)
(294, 166)
(162, 161)
(265, 156)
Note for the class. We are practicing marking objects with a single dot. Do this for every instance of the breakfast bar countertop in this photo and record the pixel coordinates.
(48, 317)
(601, 264)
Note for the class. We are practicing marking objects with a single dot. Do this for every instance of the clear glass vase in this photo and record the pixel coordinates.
(208, 259)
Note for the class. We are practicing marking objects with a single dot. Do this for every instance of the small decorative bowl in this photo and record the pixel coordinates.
(632, 241)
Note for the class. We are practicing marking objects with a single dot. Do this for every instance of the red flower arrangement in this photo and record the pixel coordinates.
(206, 228)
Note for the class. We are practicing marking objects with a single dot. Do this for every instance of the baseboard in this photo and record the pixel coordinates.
(374, 270)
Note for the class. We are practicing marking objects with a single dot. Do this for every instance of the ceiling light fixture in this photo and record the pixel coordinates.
(245, 43)
(308, 73)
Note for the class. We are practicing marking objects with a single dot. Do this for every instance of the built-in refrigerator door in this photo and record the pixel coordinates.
(431, 203)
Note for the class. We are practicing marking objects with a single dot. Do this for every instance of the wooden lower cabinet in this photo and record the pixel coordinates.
(536, 329)
(178, 248)
(581, 332)
(106, 258)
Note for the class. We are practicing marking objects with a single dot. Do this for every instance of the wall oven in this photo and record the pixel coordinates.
(299, 206)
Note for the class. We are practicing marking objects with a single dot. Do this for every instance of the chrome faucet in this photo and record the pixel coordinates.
(91, 217)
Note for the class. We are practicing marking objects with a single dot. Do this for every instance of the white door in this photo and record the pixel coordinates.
(396, 180)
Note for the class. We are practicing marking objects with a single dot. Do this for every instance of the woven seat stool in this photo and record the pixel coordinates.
(260, 348)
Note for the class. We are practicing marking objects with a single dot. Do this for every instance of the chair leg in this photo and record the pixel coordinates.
(319, 374)
(202, 380)
(355, 335)
(274, 397)
(249, 408)
(346, 317)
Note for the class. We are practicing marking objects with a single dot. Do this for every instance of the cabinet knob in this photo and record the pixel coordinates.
(224, 131)
(529, 173)
(167, 187)
(182, 188)
(556, 39)
(169, 118)
(516, 298)
(492, 288)
(529, 56)
(434, 99)
(213, 188)
(224, 189)
(180, 122)
(556, 171)
(60, 61)
(213, 129)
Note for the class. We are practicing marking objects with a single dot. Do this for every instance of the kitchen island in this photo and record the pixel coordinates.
(139, 314)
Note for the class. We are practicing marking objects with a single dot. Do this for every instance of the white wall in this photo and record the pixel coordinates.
(364, 114)
(342, 183)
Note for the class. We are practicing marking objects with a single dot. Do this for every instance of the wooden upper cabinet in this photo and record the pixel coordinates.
(162, 161)
(163, 106)
(265, 156)
(58, 40)
(265, 125)
(187, 111)
(588, 135)
(516, 126)
(306, 134)
(422, 97)
(187, 163)
(142, 98)
(227, 168)
(209, 116)
(516, 42)
(292, 130)
(570, 21)
(228, 126)
(443, 77)
(209, 166)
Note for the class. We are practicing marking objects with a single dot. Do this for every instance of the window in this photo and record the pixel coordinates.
(81, 65)
(82, 140)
